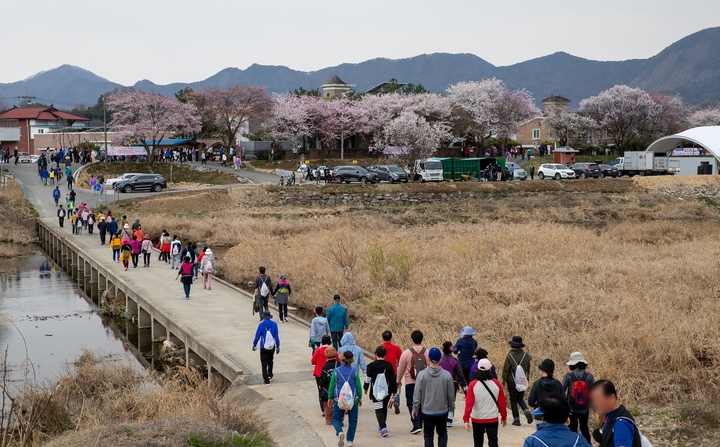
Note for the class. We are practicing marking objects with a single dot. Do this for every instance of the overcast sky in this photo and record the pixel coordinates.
(188, 40)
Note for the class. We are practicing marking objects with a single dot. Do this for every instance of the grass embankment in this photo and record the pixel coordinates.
(105, 403)
(16, 214)
(618, 272)
(181, 174)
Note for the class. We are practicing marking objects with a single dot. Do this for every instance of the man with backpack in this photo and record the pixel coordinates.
(435, 393)
(189, 252)
(619, 428)
(381, 385)
(545, 386)
(263, 287)
(515, 375)
(61, 215)
(577, 383)
(412, 361)
(553, 431)
(267, 335)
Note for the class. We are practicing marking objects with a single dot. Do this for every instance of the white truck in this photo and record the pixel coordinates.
(647, 163)
(428, 170)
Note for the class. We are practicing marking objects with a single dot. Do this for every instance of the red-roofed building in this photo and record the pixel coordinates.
(19, 125)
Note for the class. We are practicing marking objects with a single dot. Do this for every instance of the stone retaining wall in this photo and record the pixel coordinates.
(311, 198)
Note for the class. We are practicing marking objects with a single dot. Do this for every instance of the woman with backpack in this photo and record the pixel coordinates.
(331, 362)
(345, 390)
(208, 268)
(381, 386)
(516, 376)
(125, 253)
(451, 365)
(577, 383)
(281, 294)
(186, 276)
(485, 406)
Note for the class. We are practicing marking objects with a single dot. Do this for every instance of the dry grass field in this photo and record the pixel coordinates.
(623, 274)
(16, 214)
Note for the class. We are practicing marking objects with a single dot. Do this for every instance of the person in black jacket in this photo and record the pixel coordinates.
(545, 386)
(102, 228)
(374, 370)
(324, 381)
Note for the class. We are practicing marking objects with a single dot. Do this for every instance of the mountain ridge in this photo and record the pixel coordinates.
(689, 67)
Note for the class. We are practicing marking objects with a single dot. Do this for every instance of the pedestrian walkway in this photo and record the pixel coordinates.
(224, 318)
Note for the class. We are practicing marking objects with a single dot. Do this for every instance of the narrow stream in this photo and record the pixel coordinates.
(46, 322)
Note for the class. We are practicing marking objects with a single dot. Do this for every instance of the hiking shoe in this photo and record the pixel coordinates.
(384, 432)
(529, 416)
(397, 409)
(350, 444)
(449, 424)
(341, 439)
(516, 422)
(416, 429)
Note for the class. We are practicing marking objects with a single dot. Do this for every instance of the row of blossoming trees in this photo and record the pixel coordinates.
(475, 111)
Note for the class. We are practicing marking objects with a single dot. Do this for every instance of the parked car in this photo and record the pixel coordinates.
(608, 171)
(518, 172)
(150, 182)
(110, 183)
(555, 171)
(319, 172)
(349, 174)
(585, 170)
(390, 173)
(34, 159)
(24, 157)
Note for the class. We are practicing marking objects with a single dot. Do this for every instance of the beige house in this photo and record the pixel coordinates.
(336, 88)
(532, 133)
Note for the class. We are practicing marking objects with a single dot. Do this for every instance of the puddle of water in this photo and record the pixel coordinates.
(44, 318)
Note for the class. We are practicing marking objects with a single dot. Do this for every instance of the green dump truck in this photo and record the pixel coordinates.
(462, 169)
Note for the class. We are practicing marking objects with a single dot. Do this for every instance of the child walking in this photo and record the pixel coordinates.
(381, 403)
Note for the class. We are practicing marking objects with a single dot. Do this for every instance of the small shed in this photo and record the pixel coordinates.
(564, 155)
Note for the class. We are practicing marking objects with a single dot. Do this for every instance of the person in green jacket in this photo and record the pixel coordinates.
(343, 374)
(517, 357)
(337, 317)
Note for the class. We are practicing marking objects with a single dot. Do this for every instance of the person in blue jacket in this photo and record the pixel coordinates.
(553, 431)
(337, 317)
(465, 349)
(56, 194)
(268, 347)
(348, 344)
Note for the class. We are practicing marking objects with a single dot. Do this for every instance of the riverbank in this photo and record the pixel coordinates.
(17, 219)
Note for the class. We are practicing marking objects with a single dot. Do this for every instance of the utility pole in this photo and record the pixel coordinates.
(105, 131)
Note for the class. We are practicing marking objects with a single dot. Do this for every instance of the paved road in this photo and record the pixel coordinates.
(253, 176)
(224, 318)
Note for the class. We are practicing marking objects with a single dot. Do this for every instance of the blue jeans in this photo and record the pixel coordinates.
(409, 395)
(336, 337)
(186, 287)
(338, 416)
(175, 261)
(315, 346)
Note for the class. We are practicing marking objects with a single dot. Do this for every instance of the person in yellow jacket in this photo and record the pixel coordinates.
(125, 253)
(115, 245)
(73, 221)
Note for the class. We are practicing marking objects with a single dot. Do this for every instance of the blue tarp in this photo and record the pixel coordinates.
(173, 142)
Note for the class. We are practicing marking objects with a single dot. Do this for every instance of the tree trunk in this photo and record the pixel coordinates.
(149, 150)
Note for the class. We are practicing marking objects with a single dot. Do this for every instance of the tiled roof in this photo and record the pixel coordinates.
(40, 113)
(555, 98)
(335, 80)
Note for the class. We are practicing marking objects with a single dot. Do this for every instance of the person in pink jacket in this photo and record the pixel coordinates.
(412, 361)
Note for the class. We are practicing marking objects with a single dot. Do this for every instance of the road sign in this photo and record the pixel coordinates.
(97, 187)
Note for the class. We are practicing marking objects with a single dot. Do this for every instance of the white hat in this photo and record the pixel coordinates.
(575, 358)
(467, 330)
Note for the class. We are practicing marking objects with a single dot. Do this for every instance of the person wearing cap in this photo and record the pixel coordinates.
(331, 362)
(269, 345)
(481, 353)
(516, 357)
(435, 394)
(553, 431)
(451, 365)
(465, 349)
(545, 386)
(580, 411)
(136, 224)
(485, 406)
(337, 316)
(281, 293)
(102, 229)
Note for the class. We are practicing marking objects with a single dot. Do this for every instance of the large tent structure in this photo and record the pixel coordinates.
(708, 137)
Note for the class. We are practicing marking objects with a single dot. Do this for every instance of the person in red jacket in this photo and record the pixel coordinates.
(318, 359)
(392, 356)
(485, 406)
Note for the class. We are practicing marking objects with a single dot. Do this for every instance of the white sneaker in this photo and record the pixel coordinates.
(350, 444)
(341, 439)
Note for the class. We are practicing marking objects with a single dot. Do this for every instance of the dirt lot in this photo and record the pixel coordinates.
(610, 268)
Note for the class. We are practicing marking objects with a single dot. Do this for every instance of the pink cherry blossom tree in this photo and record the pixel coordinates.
(624, 112)
(708, 116)
(147, 118)
(289, 120)
(568, 124)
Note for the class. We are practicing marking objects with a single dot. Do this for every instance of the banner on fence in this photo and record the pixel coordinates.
(118, 151)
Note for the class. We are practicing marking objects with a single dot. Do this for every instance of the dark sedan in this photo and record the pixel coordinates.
(608, 171)
(585, 170)
(349, 174)
(151, 182)
(390, 173)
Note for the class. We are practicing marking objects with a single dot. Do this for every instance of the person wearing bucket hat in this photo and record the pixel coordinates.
(465, 349)
(282, 293)
(515, 359)
(577, 382)
(269, 338)
(545, 386)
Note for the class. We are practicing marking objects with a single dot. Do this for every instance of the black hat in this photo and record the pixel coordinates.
(336, 297)
(516, 342)
(265, 315)
(548, 366)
